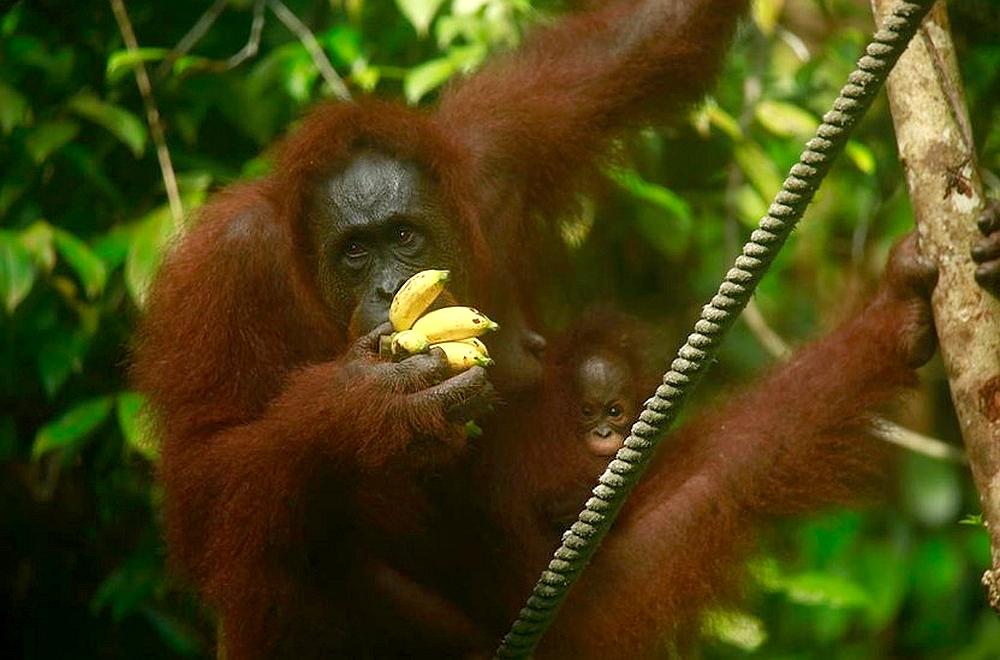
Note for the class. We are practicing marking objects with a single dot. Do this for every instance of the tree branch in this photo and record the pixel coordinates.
(931, 120)
(299, 29)
(152, 113)
(193, 36)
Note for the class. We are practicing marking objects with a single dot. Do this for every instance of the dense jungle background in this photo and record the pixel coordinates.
(84, 219)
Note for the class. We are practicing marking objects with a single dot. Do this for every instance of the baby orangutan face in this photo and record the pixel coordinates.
(607, 402)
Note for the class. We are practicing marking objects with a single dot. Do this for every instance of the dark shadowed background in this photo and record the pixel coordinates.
(84, 219)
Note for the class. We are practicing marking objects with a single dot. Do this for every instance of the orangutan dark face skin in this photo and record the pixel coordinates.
(376, 223)
(606, 402)
(379, 221)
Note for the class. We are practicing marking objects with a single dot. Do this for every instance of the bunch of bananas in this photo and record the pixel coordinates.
(452, 329)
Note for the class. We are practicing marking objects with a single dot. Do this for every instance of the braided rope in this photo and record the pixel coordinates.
(582, 539)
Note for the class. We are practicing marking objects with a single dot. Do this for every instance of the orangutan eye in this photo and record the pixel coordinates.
(587, 411)
(354, 250)
(615, 410)
(404, 235)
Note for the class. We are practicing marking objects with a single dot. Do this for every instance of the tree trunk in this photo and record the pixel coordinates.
(937, 151)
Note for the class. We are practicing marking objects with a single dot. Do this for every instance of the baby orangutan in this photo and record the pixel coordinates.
(608, 401)
(597, 372)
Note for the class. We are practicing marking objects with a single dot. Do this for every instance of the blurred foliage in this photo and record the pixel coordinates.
(85, 219)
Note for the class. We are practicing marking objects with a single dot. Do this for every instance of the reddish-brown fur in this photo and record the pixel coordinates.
(308, 507)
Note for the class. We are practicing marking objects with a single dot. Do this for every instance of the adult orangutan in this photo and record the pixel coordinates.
(319, 498)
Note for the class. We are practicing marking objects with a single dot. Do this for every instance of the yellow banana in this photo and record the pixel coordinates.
(453, 324)
(462, 356)
(415, 296)
(409, 341)
(480, 346)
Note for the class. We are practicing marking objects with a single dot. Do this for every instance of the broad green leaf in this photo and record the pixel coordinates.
(48, 137)
(750, 207)
(427, 77)
(343, 42)
(468, 58)
(38, 240)
(758, 168)
(131, 584)
(117, 120)
(808, 588)
(151, 237)
(61, 355)
(739, 629)
(937, 568)
(113, 247)
(824, 589)
(931, 489)
(121, 62)
(861, 156)
(365, 76)
(668, 227)
(883, 573)
(14, 109)
(766, 14)
(419, 13)
(17, 273)
(88, 266)
(785, 119)
(179, 635)
(134, 426)
(659, 196)
(69, 431)
(723, 121)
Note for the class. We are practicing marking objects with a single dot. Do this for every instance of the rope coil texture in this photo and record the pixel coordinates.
(582, 539)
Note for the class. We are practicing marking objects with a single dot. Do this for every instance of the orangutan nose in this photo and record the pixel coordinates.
(534, 343)
(603, 431)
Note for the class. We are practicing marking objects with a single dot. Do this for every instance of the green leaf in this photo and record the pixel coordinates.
(723, 121)
(17, 273)
(668, 225)
(427, 77)
(121, 62)
(179, 635)
(750, 207)
(61, 355)
(135, 429)
(419, 13)
(14, 109)
(758, 168)
(931, 489)
(68, 432)
(861, 156)
(146, 251)
(785, 119)
(766, 13)
(652, 193)
(809, 588)
(343, 42)
(113, 247)
(973, 520)
(824, 589)
(38, 240)
(87, 265)
(48, 137)
(118, 121)
(744, 631)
